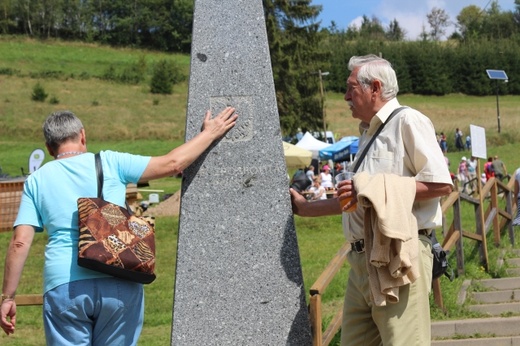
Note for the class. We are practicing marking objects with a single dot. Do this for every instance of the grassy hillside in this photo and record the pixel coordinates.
(115, 113)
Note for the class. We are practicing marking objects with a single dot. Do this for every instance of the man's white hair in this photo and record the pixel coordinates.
(371, 67)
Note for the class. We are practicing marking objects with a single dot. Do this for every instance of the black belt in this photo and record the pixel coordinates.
(359, 245)
(425, 232)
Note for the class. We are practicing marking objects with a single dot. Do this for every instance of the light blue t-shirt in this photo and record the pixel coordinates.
(49, 201)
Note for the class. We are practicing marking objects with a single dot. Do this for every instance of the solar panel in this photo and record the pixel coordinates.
(497, 74)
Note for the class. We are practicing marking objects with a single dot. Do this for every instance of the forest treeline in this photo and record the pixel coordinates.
(437, 63)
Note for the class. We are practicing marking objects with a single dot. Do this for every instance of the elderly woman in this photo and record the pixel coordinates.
(81, 306)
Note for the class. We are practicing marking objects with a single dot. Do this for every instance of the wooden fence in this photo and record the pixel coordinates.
(10, 196)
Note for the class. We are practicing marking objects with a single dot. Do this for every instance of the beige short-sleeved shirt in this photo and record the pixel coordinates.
(407, 146)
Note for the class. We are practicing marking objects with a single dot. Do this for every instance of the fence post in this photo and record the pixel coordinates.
(315, 316)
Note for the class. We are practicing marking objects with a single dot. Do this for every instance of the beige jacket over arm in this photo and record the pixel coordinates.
(391, 238)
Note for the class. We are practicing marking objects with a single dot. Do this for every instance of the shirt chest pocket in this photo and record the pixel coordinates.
(383, 160)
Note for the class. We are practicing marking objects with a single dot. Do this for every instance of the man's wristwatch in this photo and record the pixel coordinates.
(7, 297)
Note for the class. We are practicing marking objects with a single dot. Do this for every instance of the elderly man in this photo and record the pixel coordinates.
(405, 151)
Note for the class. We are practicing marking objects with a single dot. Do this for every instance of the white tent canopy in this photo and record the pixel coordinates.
(295, 156)
(310, 143)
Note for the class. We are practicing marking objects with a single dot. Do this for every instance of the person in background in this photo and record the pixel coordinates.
(326, 178)
(516, 220)
(82, 306)
(413, 158)
(338, 168)
(318, 191)
(499, 168)
(483, 179)
(472, 173)
(310, 172)
(468, 142)
(443, 143)
(462, 173)
(458, 140)
(488, 169)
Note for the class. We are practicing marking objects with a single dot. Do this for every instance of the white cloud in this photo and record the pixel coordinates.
(411, 14)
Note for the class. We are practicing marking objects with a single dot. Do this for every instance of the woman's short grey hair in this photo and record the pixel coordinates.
(60, 127)
(372, 67)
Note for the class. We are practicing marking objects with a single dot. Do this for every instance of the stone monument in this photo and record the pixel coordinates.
(238, 276)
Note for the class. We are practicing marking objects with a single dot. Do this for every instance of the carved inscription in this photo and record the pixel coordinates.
(243, 130)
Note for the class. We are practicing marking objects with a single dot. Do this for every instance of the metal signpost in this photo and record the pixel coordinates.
(322, 95)
(497, 75)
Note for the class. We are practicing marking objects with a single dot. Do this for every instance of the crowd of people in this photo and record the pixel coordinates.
(460, 142)
(323, 182)
(467, 172)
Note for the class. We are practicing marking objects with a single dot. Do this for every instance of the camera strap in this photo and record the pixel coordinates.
(365, 150)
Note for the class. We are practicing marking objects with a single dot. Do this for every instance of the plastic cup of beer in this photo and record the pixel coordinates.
(343, 202)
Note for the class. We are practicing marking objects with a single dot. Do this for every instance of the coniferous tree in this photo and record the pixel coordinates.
(395, 32)
(372, 29)
(294, 44)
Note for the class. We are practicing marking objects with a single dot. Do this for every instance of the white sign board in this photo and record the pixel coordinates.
(478, 141)
(35, 160)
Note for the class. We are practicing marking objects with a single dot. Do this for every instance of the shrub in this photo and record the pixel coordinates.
(54, 100)
(39, 93)
(133, 74)
(8, 71)
(84, 75)
(110, 74)
(165, 75)
(46, 74)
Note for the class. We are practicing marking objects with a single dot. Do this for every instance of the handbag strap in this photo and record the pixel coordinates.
(99, 172)
(365, 150)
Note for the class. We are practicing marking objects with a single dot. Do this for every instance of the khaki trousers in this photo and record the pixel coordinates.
(406, 323)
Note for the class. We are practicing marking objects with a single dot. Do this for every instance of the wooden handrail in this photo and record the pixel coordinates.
(29, 299)
(317, 289)
(330, 271)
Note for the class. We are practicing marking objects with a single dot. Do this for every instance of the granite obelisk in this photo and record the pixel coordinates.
(238, 275)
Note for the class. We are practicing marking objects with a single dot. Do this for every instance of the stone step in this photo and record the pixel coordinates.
(483, 327)
(513, 262)
(513, 271)
(501, 284)
(501, 296)
(496, 309)
(500, 341)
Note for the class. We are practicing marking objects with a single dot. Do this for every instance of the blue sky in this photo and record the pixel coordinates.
(411, 14)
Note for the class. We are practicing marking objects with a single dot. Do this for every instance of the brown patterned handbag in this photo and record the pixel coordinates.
(114, 241)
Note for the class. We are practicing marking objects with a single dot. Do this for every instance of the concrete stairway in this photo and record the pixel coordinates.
(499, 301)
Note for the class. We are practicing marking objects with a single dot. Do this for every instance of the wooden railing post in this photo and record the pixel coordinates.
(315, 315)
